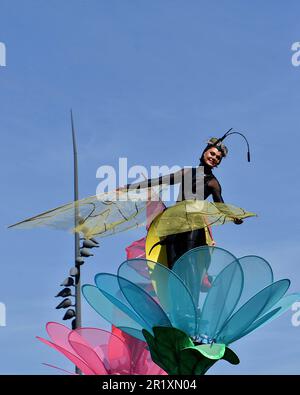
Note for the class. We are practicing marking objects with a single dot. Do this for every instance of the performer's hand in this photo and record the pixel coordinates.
(213, 243)
(238, 221)
(119, 191)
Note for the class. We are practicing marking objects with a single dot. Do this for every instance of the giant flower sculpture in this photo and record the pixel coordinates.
(98, 352)
(188, 326)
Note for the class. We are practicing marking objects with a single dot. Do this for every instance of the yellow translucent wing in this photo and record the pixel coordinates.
(118, 211)
(197, 214)
(97, 216)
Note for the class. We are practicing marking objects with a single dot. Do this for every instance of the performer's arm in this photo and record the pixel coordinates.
(216, 191)
(217, 197)
(169, 179)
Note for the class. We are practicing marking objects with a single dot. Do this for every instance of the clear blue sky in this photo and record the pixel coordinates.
(151, 81)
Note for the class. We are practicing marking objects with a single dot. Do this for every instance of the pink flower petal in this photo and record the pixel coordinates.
(59, 333)
(88, 355)
(109, 348)
(73, 358)
(58, 368)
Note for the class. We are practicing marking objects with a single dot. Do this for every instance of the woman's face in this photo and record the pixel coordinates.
(212, 157)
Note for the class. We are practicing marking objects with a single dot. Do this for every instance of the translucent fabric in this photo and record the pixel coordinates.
(278, 309)
(210, 295)
(109, 286)
(70, 355)
(139, 355)
(101, 215)
(258, 323)
(117, 311)
(154, 208)
(136, 249)
(190, 215)
(117, 211)
(112, 287)
(58, 334)
(96, 351)
(90, 356)
(199, 267)
(139, 271)
(59, 369)
(252, 311)
(257, 273)
(221, 300)
(165, 288)
(144, 305)
(132, 332)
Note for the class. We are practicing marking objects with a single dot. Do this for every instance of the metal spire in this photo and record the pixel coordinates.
(76, 323)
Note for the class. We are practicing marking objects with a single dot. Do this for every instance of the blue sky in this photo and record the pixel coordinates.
(151, 81)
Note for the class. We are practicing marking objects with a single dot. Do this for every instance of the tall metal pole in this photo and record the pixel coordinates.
(77, 322)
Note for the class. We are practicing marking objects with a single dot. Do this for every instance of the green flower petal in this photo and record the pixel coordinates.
(154, 351)
(172, 336)
(231, 357)
(192, 362)
(165, 347)
(175, 352)
(211, 351)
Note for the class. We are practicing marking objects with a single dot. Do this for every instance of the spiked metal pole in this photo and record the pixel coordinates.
(77, 322)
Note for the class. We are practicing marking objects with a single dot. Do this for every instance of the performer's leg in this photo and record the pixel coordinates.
(170, 243)
(179, 244)
(195, 238)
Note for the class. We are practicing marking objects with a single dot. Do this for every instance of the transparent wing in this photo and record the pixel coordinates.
(256, 307)
(165, 288)
(98, 216)
(197, 214)
(221, 300)
(198, 269)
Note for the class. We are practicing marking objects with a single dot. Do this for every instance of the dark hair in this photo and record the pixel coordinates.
(212, 144)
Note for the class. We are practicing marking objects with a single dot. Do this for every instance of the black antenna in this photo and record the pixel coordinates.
(223, 137)
(229, 133)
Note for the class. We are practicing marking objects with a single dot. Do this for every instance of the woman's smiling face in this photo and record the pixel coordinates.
(212, 157)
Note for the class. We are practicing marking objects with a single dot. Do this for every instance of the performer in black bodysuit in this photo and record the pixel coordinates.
(195, 183)
(178, 244)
